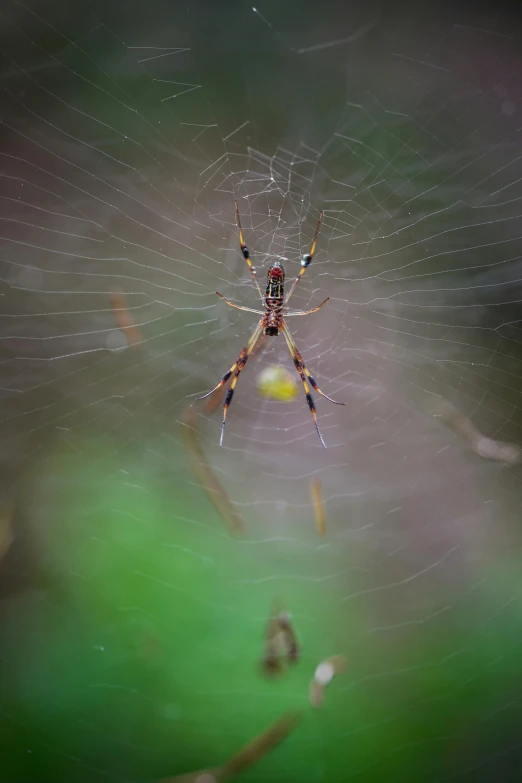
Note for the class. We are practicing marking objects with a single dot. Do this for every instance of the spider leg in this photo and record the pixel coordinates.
(239, 366)
(307, 312)
(306, 376)
(296, 356)
(240, 307)
(246, 350)
(307, 259)
(246, 254)
(236, 369)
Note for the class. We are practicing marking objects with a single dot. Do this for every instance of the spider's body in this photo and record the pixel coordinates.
(272, 322)
(274, 300)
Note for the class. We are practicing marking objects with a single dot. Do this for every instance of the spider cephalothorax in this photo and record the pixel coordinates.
(273, 322)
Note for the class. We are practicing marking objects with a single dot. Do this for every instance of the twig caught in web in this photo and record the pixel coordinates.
(124, 320)
(207, 478)
(247, 756)
(323, 675)
(6, 528)
(483, 446)
(316, 492)
(216, 401)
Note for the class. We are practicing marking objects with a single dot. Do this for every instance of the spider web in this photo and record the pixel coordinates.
(132, 622)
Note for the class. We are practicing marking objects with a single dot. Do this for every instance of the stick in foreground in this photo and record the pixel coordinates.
(6, 531)
(261, 745)
(248, 755)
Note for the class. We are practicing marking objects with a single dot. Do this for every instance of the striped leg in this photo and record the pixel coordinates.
(236, 369)
(242, 360)
(250, 310)
(305, 377)
(246, 254)
(299, 312)
(306, 260)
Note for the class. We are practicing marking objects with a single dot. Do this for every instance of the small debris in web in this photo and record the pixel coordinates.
(281, 642)
(207, 478)
(323, 676)
(488, 448)
(316, 491)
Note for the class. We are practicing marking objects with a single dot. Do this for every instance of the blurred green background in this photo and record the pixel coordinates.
(131, 622)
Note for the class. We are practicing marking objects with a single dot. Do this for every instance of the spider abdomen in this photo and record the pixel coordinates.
(274, 300)
(275, 284)
(272, 322)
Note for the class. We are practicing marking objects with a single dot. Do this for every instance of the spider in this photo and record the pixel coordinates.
(272, 322)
